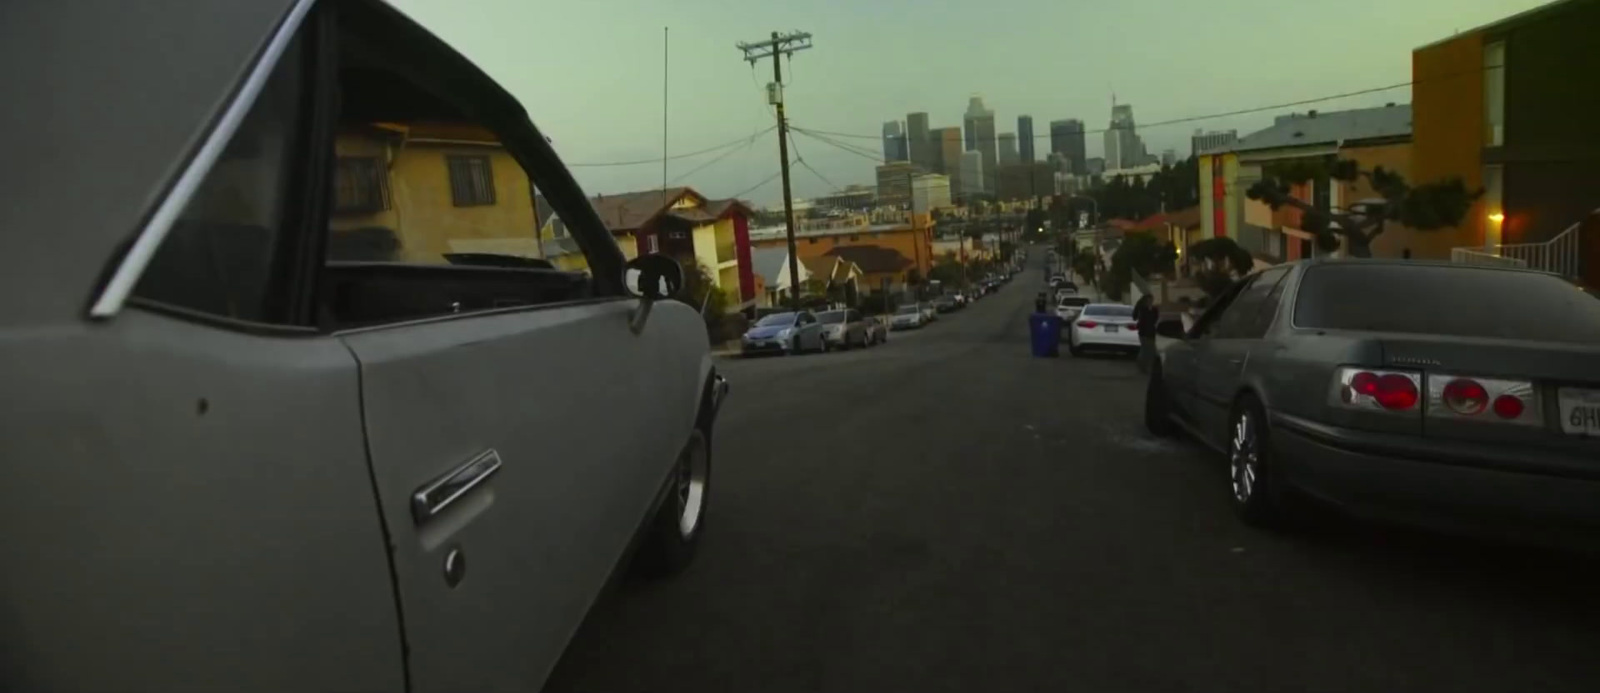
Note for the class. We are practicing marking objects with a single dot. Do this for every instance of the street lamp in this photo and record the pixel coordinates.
(1498, 218)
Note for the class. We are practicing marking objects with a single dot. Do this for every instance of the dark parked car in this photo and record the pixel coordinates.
(1447, 395)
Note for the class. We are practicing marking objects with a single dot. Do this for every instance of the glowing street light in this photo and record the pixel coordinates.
(1497, 217)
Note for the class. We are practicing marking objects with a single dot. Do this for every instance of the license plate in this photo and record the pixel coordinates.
(1580, 411)
(1112, 328)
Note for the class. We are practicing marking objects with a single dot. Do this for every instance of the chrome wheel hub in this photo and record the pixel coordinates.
(691, 488)
(1243, 458)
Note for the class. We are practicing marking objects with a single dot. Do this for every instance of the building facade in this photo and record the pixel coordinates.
(1497, 107)
(919, 145)
(947, 154)
(851, 198)
(894, 182)
(930, 191)
(894, 142)
(1067, 139)
(1124, 149)
(979, 125)
(1203, 141)
(972, 174)
(1025, 138)
(1007, 142)
(1026, 181)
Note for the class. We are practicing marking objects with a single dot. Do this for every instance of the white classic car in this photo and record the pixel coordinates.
(295, 397)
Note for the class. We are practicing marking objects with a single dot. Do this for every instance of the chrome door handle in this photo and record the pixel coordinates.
(436, 495)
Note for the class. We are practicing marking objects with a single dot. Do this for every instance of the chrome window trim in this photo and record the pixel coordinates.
(144, 247)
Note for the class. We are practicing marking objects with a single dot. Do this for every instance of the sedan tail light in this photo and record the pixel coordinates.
(1474, 398)
(1088, 324)
(1382, 390)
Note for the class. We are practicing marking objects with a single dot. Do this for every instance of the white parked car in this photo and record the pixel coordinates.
(843, 328)
(1068, 307)
(908, 317)
(1103, 326)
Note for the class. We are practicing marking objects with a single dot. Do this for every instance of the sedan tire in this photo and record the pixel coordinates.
(1072, 345)
(1252, 482)
(673, 534)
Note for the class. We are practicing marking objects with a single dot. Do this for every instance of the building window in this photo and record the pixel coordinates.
(359, 185)
(812, 241)
(855, 237)
(1494, 94)
(471, 180)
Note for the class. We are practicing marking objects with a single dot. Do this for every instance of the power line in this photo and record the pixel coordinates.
(748, 141)
(779, 46)
(752, 188)
(840, 145)
(685, 155)
(801, 159)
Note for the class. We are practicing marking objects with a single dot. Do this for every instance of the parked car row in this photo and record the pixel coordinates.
(805, 332)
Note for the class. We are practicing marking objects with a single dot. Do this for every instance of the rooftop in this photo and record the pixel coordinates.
(1335, 127)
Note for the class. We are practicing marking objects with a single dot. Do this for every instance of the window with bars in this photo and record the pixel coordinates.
(359, 185)
(471, 180)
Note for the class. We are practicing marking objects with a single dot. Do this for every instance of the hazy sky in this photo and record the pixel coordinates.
(590, 71)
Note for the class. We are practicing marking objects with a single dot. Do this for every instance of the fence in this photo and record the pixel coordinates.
(1561, 255)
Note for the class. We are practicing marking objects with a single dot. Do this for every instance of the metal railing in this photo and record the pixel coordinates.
(1561, 255)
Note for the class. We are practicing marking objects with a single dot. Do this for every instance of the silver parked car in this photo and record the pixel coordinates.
(265, 430)
(877, 331)
(843, 328)
(908, 317)
(785, 333)
(1473, 403)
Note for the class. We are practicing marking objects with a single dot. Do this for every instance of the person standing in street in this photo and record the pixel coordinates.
(1146, 315)
(1039, 303)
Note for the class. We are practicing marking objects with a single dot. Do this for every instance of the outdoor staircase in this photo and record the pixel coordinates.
(1561, 255)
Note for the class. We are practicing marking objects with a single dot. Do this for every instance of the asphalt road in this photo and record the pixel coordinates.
(946, 513)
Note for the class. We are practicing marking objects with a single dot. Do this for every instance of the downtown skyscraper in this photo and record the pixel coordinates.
(1066, 139)
(894, 142)
(920, 145)
(979, 126)
(1025, 138)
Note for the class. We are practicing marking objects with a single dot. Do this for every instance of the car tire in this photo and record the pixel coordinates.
(669, 543)
(822, 345)
(1072, 346)
(1252, 481)
(1158, 407)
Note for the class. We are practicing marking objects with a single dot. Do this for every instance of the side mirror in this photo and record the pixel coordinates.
(1170, 328)
(651, 278)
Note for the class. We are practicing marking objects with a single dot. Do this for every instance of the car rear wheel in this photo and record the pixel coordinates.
(674, 532)
(1251, 481)
(1072, 345)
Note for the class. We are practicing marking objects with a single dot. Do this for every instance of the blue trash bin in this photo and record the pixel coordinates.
(1044, 330)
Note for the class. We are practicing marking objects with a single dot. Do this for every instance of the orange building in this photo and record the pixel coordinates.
(1509, 108)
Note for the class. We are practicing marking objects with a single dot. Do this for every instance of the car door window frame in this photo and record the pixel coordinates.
(1249, 305)
(303, 37)
(1202, 327)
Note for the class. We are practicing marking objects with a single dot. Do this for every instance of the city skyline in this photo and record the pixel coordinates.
(605, 109)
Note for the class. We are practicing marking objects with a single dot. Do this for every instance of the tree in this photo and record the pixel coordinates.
(1085, 264)
(1035, 219)
(947, 271)
(1222, 262)
(1140, 255)
(700, 292)
(1425, 207)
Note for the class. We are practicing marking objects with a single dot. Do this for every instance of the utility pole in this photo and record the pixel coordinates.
(781, 45)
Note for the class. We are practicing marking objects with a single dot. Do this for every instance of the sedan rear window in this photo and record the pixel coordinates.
(1074, 301)
(1110, 311)
(1443, 300)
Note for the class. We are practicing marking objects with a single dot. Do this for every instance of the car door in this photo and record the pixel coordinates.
(515, 446)
(185, 495)
(809, 332)
(1221, 356)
